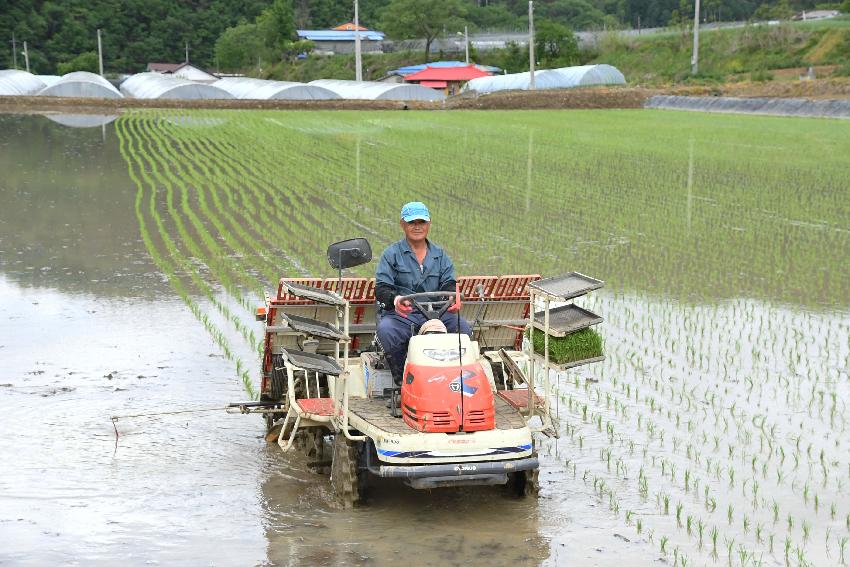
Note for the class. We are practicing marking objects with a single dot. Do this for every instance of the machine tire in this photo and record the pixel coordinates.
(525, 484)
(345, 471)
(498, 375)
(277, 387)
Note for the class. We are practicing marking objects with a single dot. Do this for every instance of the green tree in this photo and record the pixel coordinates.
(238, 47)
(555, 45)
(415, 19)
(82, 62)
(277, 25)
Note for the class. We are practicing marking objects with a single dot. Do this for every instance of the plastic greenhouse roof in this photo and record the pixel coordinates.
(81, 84)
(155, 85)
(373, 90)
(15, 83)
(49, 79)
(563, 78)
(260, 89)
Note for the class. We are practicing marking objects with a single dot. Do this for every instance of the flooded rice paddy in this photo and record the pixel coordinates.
(132, 252)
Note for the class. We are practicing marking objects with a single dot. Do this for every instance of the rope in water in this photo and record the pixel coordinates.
(115, 418)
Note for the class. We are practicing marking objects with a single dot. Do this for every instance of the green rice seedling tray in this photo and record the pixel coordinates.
(567, 319)
(577, 348)
(567, 286)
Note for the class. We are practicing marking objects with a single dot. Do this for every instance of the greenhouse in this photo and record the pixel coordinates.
(155, 85)
(259, 89)
(19, 83)
(372, 90)
(81, 84)
(49, 79)
(563, 78)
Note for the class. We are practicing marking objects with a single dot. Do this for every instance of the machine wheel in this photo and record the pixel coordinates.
(344, 470)
(525, 484)
(498, 375)
(277, 387)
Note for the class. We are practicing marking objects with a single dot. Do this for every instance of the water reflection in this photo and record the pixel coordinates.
(82, 120)
(397, 525)
(67, 217)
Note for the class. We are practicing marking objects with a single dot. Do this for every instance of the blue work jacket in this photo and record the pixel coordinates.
(399, 267)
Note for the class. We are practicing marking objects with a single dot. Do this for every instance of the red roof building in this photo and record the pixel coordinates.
(451, 79)
(349, 27)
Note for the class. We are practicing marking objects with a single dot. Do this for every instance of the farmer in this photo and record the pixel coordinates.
(414, 264)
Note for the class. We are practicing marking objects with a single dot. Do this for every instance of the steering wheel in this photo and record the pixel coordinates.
(432, 308)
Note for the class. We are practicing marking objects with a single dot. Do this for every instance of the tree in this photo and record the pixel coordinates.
(238, 47)
(277, 24)
(411, 19)
(82, 62)
(555, 45)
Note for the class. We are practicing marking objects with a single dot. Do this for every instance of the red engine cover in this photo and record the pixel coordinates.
(435, 399)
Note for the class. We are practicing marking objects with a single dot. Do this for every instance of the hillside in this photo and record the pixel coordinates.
(751, 52)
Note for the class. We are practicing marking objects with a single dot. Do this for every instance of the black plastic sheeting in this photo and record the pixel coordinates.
(770, 106)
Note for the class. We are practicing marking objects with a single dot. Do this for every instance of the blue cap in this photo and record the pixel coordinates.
(415, 211)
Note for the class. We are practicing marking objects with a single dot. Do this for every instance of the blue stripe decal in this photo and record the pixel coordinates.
(428, 455)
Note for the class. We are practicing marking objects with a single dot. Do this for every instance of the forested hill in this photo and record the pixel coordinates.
(136, 32)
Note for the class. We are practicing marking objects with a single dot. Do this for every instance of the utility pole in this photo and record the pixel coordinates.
(695, 56)
(26, 57)
(466, 42)
(187, 52)
(358, 64)
(531, 43)
(14, 51)
(99, 52)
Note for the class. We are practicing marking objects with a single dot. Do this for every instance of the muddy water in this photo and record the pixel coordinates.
(715, 431)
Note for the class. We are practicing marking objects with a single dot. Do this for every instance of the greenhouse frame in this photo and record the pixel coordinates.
(562, 78)
(261, 89)
(81, 84)
(156, 85)
(19, 83)
(374, 90)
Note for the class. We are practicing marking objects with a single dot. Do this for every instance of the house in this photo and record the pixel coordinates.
(342, 41)
(448, 79)
(183, 71)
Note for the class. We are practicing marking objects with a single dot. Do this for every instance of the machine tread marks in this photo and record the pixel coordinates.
(344, 470)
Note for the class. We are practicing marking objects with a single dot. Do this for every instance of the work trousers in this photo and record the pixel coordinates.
(394, 332)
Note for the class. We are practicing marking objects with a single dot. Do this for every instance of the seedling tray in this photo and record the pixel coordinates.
(312, 327)
(568, 365)
(312, 362)
(567, 319)
(313, 293)
(567, 286)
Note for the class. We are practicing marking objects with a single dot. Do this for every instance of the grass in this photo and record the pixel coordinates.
(581, 345)
(752, 51)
